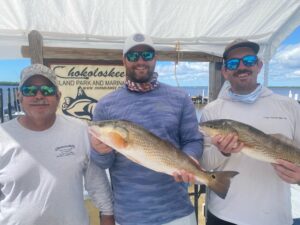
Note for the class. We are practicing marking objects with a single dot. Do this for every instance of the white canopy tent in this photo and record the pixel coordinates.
(186, 26)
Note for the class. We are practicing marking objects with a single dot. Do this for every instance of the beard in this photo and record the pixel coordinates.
(140, 74)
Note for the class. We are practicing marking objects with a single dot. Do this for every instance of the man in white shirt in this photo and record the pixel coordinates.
(44, 158)
(260, 194)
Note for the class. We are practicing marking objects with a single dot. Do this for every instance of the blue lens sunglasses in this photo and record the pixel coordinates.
(133, 56)
(234, 63)
(31, 90)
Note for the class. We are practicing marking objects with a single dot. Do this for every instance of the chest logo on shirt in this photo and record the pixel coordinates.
(276, 117)
(66, 150)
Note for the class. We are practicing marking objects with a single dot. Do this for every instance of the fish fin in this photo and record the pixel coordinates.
(118, 140)
(285, 139)
(219, 182)
(193, 161)
(123, 132)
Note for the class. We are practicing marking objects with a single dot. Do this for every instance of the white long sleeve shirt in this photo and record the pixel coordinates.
(41, 175)
(257, 196)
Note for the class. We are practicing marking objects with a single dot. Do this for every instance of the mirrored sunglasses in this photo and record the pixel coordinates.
(134, 56)
(32, 90)
(234, 63)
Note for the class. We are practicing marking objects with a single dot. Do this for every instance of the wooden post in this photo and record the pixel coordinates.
(35, 40)
(216, 80)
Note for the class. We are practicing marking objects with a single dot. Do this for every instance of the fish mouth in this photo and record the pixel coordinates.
(202, 130)
(92, 132)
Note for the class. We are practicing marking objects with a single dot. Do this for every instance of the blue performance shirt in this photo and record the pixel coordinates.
(143, 196)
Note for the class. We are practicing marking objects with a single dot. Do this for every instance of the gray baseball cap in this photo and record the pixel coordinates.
(37, 69)
(239, 43)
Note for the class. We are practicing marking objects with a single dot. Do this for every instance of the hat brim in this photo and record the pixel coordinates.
(147, 45)
(21, 83)
(246, 44)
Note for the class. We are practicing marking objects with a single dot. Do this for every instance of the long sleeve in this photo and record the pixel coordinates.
(211, 158)
(104, 161)
(297, 123)
(98, 188)
(191, 139)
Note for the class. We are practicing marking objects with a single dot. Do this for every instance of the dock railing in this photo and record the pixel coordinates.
(9, 104)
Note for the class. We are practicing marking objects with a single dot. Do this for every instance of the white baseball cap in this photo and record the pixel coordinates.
(137, 39)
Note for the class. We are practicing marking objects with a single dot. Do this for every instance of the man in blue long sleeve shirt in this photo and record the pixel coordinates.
(143, 196)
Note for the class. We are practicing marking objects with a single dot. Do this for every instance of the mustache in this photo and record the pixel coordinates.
(141, 65)
(39, 102)
(238, 72)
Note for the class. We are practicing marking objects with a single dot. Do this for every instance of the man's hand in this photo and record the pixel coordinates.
(227, 144)
(287, 171)
(107, 220)
(99, 146)
(183, 176)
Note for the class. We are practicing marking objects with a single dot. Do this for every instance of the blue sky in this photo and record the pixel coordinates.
(284, 67)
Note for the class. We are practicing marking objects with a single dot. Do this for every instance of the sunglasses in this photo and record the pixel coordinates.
(33, 89)
(134, 56)
(234, 63)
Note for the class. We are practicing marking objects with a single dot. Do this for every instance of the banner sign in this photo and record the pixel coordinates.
(83, 85)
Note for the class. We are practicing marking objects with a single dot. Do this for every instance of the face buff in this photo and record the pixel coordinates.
(142, 87)
(249, 98)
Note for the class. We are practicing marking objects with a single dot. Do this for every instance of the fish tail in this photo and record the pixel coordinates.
(219, 182)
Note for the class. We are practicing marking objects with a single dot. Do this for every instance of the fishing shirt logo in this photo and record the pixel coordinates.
(65, 150)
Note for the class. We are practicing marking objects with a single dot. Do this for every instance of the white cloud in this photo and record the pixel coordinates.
(284, 70)
(285, 66)
(187, 73)
(297, 73)
(288, 56)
